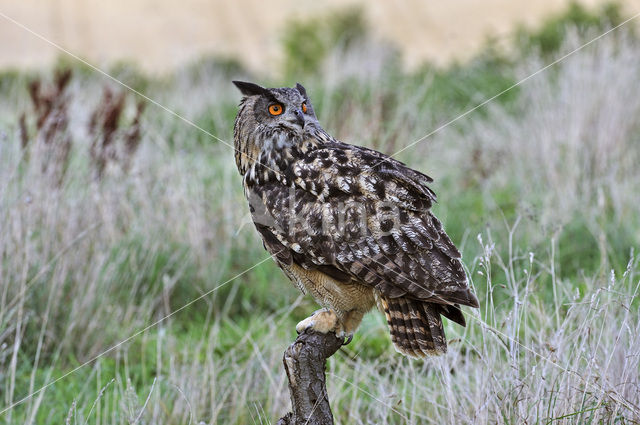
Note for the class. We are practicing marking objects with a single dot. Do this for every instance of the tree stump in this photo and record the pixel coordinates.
(304, 361)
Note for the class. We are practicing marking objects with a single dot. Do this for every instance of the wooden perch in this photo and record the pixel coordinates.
(304, 361)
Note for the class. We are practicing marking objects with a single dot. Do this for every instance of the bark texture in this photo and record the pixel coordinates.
(304, 361)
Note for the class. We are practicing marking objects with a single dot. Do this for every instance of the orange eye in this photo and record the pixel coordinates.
(275, 109)
(304, 107)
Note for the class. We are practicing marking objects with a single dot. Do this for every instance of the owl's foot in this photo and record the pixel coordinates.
(325, 321)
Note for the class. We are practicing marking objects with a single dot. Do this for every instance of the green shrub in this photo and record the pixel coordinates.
(549, 38)
(306, 44)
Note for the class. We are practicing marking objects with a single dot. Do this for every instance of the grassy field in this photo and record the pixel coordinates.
(134, 288)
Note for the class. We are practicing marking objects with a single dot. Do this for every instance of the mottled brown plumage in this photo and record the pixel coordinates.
(347, 224)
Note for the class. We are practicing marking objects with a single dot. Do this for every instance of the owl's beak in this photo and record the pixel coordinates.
(299, 117)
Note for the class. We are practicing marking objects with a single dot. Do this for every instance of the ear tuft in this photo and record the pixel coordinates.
(249, 89)
(301, 89)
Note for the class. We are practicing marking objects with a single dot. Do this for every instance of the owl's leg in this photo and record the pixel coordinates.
(351, 320)
(344, 324)
(323, 321)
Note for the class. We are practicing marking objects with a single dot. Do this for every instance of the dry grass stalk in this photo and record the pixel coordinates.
(50, 107)
(105, 126)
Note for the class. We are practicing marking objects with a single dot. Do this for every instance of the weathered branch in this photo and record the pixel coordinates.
(304, 361)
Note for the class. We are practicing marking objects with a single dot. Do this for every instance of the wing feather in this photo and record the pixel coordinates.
(363, 217)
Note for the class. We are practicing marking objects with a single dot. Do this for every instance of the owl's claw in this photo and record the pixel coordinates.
(323, 321)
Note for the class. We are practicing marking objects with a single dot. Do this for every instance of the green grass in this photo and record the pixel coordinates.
(538, 189)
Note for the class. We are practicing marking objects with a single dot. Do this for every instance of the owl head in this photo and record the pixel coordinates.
(283, 109)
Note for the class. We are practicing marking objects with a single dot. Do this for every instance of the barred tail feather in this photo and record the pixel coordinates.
(415, 326)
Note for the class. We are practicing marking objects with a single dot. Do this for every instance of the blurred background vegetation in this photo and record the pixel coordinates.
(115, 214)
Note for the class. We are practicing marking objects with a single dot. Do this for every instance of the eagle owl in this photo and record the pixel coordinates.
(348, 225)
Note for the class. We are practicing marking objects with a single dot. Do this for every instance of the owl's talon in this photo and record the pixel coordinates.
(323, 321)
(348, 340)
